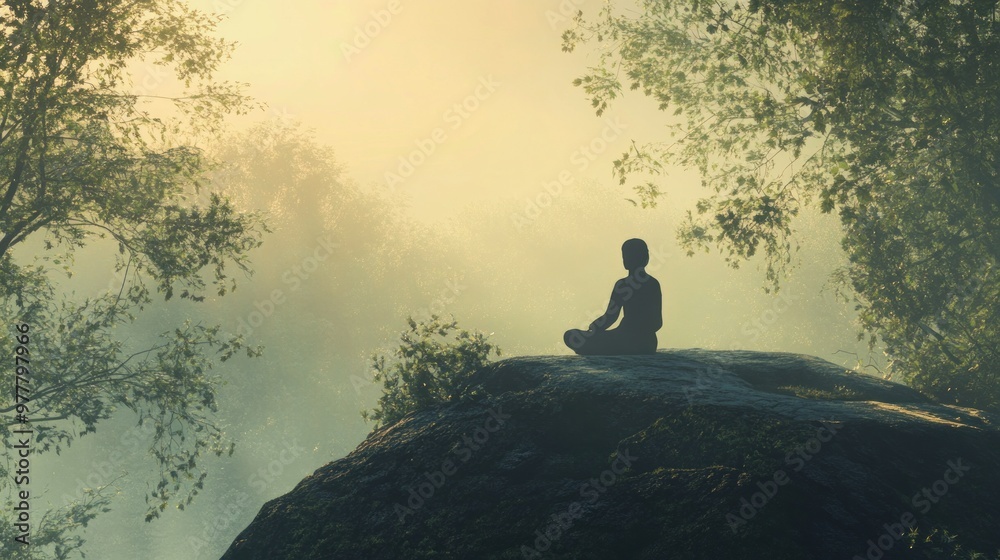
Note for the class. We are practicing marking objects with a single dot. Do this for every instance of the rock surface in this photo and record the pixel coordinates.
(683, 454)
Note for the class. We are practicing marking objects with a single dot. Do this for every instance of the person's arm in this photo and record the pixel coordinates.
(611, 315)
(658, 307)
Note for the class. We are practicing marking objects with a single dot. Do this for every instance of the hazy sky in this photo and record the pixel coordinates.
(475, 97)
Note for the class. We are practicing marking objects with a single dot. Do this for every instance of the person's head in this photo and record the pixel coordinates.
(635, 254)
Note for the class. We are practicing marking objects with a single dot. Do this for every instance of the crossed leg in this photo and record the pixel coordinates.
(610, 342)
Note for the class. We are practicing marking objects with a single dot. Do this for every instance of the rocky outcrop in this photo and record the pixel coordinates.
(683, 454)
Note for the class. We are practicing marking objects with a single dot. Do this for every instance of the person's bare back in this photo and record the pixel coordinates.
(638, 296)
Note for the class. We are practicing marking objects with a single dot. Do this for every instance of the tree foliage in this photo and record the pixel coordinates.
(884, 112)
(426, 369)
(85, 157)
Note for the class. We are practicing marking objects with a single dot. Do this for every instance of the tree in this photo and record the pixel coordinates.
(84, 158)
(426, 369)
(376, 258)
(882, 111)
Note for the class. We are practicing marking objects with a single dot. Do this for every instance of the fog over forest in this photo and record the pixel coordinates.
(410, 160)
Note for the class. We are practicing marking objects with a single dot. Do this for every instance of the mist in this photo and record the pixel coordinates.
(413, 160)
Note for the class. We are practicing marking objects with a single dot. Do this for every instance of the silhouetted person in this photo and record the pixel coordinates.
(638, 294)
